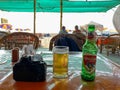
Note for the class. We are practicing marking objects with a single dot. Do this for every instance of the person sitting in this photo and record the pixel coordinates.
(63, 31)
(76, 30)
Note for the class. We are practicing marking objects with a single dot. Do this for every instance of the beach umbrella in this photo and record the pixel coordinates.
(22, 30)
(19, 29)
(6, 26)
(27, 29)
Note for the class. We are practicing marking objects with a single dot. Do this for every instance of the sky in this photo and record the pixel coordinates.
(50, 22)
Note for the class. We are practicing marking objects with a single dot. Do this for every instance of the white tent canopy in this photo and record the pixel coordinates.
(116, 19)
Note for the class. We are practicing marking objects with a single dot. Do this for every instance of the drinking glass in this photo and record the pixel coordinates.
(60, 61)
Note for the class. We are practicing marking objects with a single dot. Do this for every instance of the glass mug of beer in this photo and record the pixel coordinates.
(60, 61)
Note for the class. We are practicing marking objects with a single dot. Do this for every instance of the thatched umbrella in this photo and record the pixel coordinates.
(98, 26)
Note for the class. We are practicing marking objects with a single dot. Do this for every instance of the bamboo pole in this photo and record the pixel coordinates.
(34, 16)
(61, 13)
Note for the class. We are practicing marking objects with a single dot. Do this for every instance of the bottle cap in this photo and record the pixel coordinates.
(91, 28)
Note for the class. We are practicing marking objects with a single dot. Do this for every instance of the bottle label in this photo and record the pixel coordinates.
(89, 63)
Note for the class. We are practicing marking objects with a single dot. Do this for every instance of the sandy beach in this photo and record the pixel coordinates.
(45, 40)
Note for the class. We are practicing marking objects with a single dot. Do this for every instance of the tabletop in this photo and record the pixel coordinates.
(107, 75)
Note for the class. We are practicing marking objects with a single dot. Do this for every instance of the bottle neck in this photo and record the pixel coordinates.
(91, 37)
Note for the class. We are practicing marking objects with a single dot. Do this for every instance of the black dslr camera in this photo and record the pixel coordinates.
(30, 69)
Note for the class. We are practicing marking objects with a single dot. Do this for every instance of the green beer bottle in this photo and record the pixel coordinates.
(89, 55)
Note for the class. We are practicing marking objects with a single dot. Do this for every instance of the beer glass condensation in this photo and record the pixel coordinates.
(60, 61)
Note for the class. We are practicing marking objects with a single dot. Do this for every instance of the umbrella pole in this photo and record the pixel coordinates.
(34, 16)
(61, 12)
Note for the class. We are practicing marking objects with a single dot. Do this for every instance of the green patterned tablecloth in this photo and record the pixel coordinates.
(75, 62)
